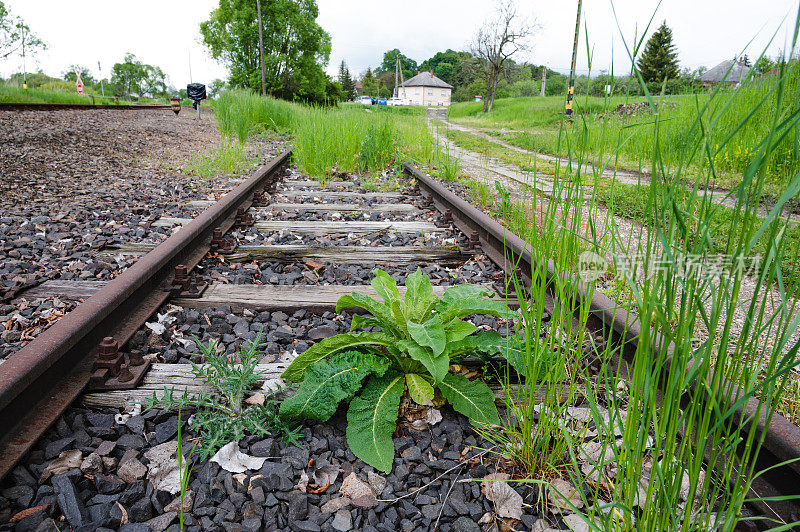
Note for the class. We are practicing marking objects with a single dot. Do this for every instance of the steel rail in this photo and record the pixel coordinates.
(42, 379)
(37, 106)
(512, 253)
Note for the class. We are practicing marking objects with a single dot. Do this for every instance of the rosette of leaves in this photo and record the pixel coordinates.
(418, 336)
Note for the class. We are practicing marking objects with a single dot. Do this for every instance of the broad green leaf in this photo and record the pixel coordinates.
(328, 382)
(436, 366)
(419, 389)
(386, 287)
(380, 311)
(430, 334)
(363, 322)
(458, 330)
(465, 291)
(542, 362)
(296, 370)
(420, 299)
(372, 418)
(398, 312)
(451, 310)
(490, 342)
(472, 398)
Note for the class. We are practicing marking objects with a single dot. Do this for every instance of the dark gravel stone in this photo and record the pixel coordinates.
(167, 430)
(141, 511)
(130, 441)
(135, 424)
(55, 448)
(305, 526)
(465, 524)
(108, 484)
(69, 502)
(298, 506)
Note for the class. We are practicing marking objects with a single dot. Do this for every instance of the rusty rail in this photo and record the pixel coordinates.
(35, 106)
(41, 380)
(512, 253)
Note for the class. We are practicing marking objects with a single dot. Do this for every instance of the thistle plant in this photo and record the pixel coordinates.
(418, 337)
(220, 414)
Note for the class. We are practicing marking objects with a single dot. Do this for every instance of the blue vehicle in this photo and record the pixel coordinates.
(381, 101)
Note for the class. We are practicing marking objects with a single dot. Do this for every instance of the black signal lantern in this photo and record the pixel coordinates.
(176, 105)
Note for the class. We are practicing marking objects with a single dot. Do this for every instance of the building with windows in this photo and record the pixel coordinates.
(426, 89)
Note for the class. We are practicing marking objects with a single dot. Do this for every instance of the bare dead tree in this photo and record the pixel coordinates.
(505, 34)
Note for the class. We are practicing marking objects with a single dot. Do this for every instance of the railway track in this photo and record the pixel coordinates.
(34, 106)
(279, 246)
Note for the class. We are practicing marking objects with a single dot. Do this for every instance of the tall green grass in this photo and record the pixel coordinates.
(9, 94)
(328, 140)
(674, 453)
(633, 138)
(243, 113)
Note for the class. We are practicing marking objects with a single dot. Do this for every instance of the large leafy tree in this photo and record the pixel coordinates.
(14, 33)
(446, 66)
(296, 48)
(407, 65)
(132, 77)
(659, 61)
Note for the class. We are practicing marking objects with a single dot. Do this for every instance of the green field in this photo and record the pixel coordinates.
(718, 133)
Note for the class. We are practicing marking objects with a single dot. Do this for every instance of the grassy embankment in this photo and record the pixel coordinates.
(61, 93)
(629, 141)
(348, 138)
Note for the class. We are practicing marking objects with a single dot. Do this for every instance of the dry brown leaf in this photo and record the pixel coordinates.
(124, 514)
(66, 460)
(257, 398)
(323, 477)
(507, 502)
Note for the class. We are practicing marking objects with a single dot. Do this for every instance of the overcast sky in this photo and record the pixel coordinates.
(705, 31)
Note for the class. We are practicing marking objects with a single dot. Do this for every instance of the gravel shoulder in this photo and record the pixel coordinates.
(74, 181)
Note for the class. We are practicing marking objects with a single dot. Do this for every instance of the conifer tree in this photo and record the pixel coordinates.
(346, 81)
(659, 60)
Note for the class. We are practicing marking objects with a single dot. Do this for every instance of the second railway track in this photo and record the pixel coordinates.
(275, 254)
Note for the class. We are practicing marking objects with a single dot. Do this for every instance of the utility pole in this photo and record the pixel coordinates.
(544, 80)
(24, 69)
(100, 70)
(571, 89)
(396, 76)
(261, 50)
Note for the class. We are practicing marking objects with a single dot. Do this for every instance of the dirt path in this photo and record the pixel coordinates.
(718, 196)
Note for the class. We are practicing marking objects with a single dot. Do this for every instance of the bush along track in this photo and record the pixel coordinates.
(418, 336)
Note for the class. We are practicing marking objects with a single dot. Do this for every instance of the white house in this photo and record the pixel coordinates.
(426, 89)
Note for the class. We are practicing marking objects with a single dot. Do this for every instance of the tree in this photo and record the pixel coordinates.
(346, 82)
(444, 64)
(659, 61)
(369, 84)
(132, 77)
(407, 65)
(763, 65)
(86, 75)
(14, 33)
(500, 38)
(296, 48)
